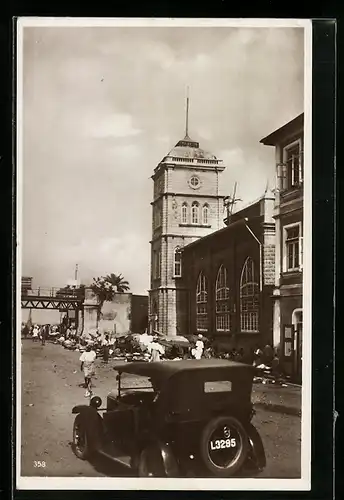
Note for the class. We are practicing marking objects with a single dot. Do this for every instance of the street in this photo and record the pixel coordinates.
(51, 386)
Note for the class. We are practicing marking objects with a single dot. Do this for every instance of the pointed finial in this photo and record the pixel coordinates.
(268, 191)
(187, 113)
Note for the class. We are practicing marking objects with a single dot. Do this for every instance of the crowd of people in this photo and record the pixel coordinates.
(145, 347)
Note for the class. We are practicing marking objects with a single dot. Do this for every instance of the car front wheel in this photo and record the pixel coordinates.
(80, 442)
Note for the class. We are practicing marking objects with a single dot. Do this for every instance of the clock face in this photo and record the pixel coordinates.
(194, 182)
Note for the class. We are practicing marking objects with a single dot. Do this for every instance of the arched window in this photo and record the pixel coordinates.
(205, 214)
(249, 298)
(184, 213)
(177, 262)
(201, 303)
(222, 292)
(156, 263)
(194, 212)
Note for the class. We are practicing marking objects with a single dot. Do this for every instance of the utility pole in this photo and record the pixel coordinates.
(187, 113)
(229, 202)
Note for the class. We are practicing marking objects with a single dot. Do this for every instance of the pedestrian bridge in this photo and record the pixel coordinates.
(52, 298)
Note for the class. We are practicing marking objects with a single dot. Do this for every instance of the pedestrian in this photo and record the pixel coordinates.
(156, 351)
(258, 357)
(25, 331)
(35, 333)
(197, 352)
(106, 348)
(87, 359)
(268, 355)
(44, 334)
(241, 355)
(234, 354)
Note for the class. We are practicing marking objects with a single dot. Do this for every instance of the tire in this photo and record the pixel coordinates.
(256, 459)
(150, 463)
(81, 445)
(224, 446)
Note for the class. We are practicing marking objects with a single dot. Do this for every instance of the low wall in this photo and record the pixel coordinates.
(116, 315)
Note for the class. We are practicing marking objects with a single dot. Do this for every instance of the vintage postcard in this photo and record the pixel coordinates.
(164, 254)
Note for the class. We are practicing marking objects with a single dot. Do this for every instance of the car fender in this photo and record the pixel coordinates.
(92, 421)
(81, 408)
(164, 450)
(257, 452)
(169, 460)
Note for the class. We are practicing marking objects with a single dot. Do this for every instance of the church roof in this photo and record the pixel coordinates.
(188, 148)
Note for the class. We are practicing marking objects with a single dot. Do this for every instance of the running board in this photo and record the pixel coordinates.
(121, 460)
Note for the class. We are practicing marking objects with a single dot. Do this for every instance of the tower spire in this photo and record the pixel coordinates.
(187, 113)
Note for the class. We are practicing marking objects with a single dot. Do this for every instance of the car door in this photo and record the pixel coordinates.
(120, 428)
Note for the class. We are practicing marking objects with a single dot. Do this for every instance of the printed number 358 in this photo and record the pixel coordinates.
(39, 463)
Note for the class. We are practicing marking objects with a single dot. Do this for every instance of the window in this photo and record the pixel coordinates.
(205, 214)
(201, 303)
(177, 262)
(218, 386)
(222, 296)
(184, 213)
(293, 248)
(249, 298)
(194, 211)
(195, 182)
(158, 216)
(293, 165)
(156, 263)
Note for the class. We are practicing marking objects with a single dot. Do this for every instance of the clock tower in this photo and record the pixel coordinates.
(186, 206)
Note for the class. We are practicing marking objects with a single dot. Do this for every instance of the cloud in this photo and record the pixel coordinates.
(114, 125)
(160, 54)
(102, 107)
(232, 158)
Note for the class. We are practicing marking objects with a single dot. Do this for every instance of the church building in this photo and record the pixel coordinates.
(186, 206)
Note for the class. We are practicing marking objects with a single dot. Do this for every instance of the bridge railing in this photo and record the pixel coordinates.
(51, 292)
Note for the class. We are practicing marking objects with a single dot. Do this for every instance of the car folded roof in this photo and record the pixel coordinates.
(165, 369)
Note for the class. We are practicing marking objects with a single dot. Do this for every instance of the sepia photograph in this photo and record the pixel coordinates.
(163, 254)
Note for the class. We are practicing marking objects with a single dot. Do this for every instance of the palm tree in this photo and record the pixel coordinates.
(118, 281)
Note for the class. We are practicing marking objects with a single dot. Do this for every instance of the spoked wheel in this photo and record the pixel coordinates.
(80, 443)
(150, 463)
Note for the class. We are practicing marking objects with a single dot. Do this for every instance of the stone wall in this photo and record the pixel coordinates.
(116, 315)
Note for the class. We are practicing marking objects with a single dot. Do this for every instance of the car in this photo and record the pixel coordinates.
(185, 418)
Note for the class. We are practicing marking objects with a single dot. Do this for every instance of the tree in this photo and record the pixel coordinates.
(118, 282)
(105, 288)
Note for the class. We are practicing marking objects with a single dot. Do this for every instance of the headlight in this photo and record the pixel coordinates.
(96, 402)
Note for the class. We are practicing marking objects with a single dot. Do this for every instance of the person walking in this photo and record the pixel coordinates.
(35, 333)
(87, 359)
(44, 334)
(25, 331)
(156, 350)
(198, 350)
(106, 347)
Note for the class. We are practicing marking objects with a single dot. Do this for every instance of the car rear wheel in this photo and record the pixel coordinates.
(150, 463)
(80, 441)
(224, 446)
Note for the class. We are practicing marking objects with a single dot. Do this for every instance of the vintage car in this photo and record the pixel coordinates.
(188, 418)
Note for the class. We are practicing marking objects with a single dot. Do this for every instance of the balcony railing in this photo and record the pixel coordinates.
(54, 292)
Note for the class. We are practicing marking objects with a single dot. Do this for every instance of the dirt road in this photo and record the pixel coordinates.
(51, 379)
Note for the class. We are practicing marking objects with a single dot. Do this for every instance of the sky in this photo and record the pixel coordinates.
(101, 108)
